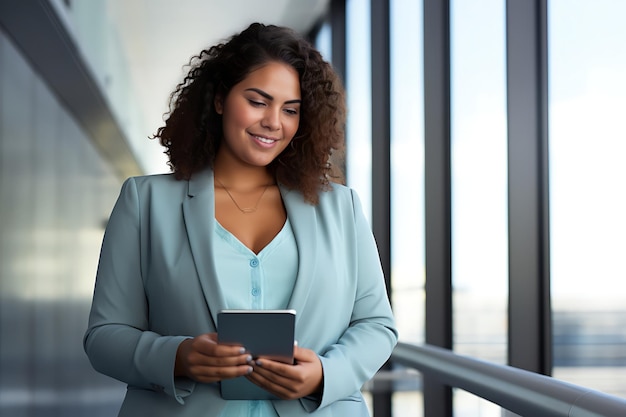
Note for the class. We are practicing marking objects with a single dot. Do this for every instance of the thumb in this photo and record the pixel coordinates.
(303, 355)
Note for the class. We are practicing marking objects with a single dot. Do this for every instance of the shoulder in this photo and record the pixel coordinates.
(336, 194)
(143, 182)
(340, 198)
(339, 194)
(153, 180)
(150, 186)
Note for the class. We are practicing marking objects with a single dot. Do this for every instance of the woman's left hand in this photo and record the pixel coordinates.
(287, 381)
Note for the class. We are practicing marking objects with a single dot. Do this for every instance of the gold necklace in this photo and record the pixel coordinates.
(245, 210)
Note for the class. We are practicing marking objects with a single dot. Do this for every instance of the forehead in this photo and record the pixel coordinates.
(273, 77)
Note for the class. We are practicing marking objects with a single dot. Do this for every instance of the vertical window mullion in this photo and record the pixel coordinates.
(381, 155)
(529, 343)
(438, 286)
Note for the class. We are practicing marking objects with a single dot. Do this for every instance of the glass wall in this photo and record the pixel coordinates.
(587, 92)
(99, 39)
(56, 193)
(587, 144)
(359, 102)
(407, 189)
(479, 187)
(358, 86)
(323, 41)
(407, 168)
(479, 178)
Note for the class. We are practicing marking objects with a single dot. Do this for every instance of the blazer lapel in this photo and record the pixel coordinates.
(303, 219)
(198, 215)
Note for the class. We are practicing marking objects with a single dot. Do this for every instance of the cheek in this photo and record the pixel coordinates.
(235, 120)
(237, 109)
(292, 127)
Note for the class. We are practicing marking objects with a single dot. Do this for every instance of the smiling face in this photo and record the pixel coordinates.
(260, 115)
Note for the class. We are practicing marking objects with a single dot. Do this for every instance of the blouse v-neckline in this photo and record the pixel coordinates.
(234, 241)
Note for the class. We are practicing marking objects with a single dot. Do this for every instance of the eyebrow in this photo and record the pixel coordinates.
(269, 97)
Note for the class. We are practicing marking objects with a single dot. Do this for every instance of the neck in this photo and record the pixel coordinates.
(242, 176)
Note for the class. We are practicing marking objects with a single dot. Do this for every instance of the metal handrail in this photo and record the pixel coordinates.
(522, 392)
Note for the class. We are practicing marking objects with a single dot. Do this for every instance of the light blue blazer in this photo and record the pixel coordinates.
(156, 286)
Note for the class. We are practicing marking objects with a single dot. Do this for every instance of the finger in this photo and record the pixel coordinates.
(290, 381)
(208, 345)
(218, 355)
(279, 386)
(213, 374)
(197, 356)
(274, 367)
(221, 361)
(273, 375)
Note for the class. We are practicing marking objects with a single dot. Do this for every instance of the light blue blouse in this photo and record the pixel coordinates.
(255, 281)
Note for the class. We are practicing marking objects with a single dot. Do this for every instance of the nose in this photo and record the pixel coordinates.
(271, 119)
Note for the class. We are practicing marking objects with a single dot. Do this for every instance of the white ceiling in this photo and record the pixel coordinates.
(160, 36)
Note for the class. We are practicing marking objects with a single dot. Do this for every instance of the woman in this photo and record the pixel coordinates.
(249, 219)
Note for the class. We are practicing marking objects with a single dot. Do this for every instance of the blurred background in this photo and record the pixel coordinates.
(85, 83)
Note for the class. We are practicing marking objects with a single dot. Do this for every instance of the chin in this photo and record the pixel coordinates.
(262, 162)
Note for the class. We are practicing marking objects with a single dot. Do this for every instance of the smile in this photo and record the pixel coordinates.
(262, 139)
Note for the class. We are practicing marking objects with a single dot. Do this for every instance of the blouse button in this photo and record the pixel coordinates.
(254, 263)
(255, 291)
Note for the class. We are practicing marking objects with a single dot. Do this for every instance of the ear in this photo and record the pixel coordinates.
(218, 102)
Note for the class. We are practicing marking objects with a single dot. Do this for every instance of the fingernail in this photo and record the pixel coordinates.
(249, 358)
(250, 369)
(242, 350)
(259, 363)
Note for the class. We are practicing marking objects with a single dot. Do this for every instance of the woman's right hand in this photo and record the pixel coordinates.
(204, 360)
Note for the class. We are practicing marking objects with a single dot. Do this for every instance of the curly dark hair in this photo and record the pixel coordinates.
(193, 132)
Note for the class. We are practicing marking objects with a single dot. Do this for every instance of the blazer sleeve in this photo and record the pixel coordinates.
(371, 336)
(118, 341)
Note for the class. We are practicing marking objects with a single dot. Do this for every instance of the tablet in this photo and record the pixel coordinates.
(266, 333)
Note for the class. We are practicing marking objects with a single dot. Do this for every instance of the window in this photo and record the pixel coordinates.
(479, 186)
(587, 198)
(359, 98)
(407, 188)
